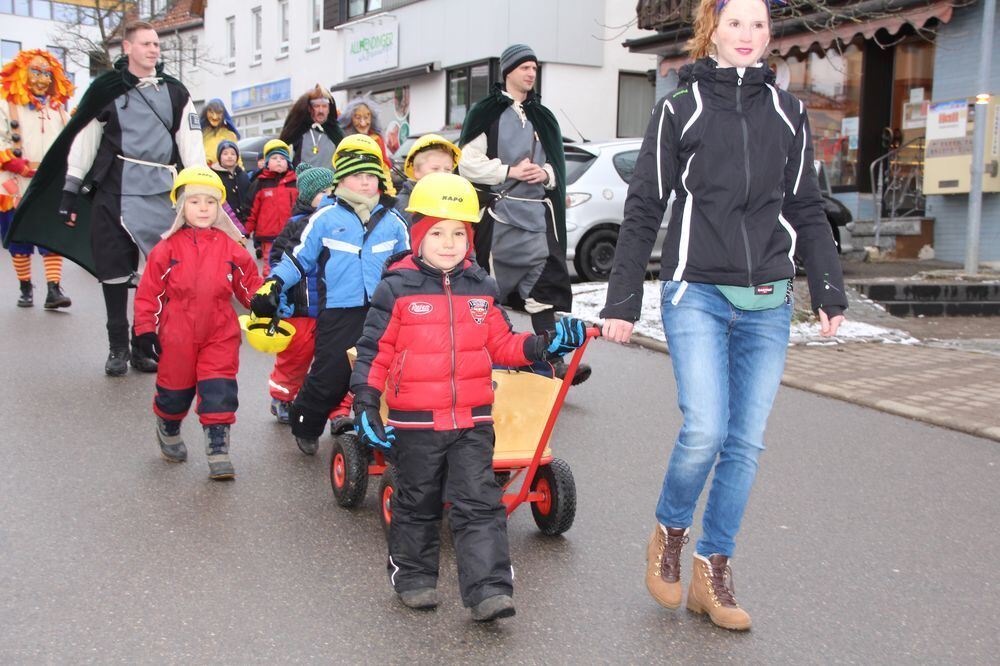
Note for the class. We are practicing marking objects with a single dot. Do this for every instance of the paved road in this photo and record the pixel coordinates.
(870, 538)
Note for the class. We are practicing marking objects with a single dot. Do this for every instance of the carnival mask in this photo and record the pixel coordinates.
(39, 77)
(361, 119)
(214, 117)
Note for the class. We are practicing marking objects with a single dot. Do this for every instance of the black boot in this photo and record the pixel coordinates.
(27, 299)
(220, 467)
(117, 363)
(56, 298)
(582, 371)
(140, 361)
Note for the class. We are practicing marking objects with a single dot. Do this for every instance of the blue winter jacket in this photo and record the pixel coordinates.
(348, 260)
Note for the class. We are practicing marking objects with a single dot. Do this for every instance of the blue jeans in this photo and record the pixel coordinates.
(728, 365)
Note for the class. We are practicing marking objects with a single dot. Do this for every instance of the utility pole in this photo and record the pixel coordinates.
(986, 55)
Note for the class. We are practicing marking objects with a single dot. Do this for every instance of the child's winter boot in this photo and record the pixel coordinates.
(493, 608)
(279, 409)
(168, 434)
(663, 565)
(26, 299)
(582, 371)
(55, 298)
(425, 598)
(712, 592)
(217, 449)
(308, 445)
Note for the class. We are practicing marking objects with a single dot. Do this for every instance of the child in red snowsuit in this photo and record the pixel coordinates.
(432, 334)
(273, 192)
(185, 319)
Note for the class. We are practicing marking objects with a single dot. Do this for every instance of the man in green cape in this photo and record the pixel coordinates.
(512, 151)
(101, 194)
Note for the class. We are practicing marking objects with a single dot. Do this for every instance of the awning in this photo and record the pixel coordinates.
(917, 17)
(800, 42)
(386, 79)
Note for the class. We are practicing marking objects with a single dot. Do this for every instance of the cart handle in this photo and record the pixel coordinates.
(529, 477)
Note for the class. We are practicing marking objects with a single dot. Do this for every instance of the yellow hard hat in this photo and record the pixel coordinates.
(423, 143)
(445, 195)
(198, 175)
(278, 145)
(357, 143)
(262, 338)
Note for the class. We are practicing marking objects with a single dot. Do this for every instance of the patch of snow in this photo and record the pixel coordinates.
(589, 297)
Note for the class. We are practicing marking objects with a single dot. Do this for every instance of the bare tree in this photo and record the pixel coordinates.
(91, 35)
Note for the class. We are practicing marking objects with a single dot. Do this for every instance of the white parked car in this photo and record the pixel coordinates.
(597, 178)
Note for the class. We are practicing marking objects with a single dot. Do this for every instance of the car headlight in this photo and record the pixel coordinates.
(576, 198)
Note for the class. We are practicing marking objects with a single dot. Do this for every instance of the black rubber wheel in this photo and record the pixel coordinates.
(386, 487)
(596, 255)
(502, 478)
(348, 470)
(555, 512)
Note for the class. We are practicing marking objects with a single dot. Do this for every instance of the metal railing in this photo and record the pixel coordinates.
(898, 183)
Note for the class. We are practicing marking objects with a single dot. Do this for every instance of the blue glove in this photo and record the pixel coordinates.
(368, 422)
(569, 335)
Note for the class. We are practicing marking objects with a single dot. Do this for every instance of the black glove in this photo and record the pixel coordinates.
(368, 421)
(149, 345)
(67, 208)
(569, 335)
(265, 302)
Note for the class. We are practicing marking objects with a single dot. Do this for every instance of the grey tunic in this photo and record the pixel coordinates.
(145, 205)
(317, 148)
(519, 244)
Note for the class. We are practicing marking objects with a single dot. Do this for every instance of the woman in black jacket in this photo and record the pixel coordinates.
(735, 155)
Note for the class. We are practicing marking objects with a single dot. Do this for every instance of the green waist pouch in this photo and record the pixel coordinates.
(765, 296)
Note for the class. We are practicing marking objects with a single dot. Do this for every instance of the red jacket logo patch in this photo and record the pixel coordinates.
(420, 308)
(479, 307)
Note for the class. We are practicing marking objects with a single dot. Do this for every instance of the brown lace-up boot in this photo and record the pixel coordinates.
(663, 565)
(712, 592)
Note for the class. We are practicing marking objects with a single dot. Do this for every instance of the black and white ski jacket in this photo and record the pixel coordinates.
(734, 154)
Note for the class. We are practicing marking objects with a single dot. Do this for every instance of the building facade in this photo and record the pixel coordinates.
(424, 62)
(868, 72)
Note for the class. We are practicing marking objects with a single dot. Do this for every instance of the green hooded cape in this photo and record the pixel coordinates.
(486, 112)
(37, 220)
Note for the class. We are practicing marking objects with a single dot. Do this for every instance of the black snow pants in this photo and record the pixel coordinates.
(329, 378)
(454, 466)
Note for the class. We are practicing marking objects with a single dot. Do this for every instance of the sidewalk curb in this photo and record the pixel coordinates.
(842, 394)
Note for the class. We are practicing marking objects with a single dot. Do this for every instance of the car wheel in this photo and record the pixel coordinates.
(596, 255)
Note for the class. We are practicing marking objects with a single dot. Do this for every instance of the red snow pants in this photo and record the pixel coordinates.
(292, 365)
(207, 369)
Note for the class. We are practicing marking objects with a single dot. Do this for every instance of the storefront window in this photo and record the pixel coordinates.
(830, 86)
(458, 96)
(913, 77)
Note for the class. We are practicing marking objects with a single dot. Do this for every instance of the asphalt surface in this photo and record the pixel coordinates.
(870, 538)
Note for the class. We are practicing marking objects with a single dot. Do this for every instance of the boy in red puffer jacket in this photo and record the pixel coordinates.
(430, 339)
(273, 192)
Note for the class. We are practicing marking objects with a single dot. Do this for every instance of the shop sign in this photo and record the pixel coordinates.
(947, 120)
(371, 46)
(262, 94)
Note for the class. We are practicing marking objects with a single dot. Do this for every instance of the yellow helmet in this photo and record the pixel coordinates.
(262, 338)
(278, 145)
(357, 143)
(445, 195)
(198, 175)
(423, 143)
